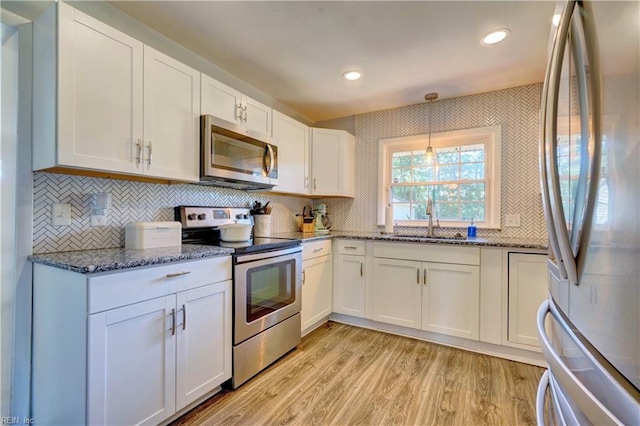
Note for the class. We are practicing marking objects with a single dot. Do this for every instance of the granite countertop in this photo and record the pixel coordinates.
(104, 260)
(528, 243)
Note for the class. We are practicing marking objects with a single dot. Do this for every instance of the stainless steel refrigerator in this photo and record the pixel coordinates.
(589, 328)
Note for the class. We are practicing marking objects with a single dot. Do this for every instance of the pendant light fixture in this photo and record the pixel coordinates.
(430, 97)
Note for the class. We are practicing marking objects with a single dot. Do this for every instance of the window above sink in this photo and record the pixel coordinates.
(462, 178)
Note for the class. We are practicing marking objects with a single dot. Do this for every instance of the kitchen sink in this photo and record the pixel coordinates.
(426, 237)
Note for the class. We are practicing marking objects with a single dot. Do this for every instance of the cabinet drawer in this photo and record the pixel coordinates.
(316, 248)
(123, 288)
(441, 253)
(350, 247)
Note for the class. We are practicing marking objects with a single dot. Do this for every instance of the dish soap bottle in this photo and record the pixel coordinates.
(471, 230)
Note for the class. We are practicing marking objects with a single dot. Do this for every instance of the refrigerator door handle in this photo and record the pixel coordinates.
(542, 160)
(591, 406)
(540, 397)
(551, 140)
(592, 126)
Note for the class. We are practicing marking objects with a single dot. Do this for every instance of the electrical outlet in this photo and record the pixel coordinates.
(98, 220)
(60, 214)
(513, 220)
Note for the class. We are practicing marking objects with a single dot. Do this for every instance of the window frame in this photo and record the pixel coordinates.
(491, 136)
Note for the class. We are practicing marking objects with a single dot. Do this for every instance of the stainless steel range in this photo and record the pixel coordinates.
(267, 278)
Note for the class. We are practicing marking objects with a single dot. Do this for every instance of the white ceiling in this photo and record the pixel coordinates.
(296, 51)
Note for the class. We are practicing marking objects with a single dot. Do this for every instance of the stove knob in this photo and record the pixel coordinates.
(246, 216)
(191, 216)
(202, 216)
(239, 216)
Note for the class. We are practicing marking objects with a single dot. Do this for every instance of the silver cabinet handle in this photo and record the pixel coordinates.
(177, 274)
(418, 275)
(244, 111)
(314, 184)
(173, 322)
(306, 181)
(150, 147)
(350, 247)
(304, 277)
(318, 250)
(361, 269)
(184, 317)
(139, 152)
(424, 276)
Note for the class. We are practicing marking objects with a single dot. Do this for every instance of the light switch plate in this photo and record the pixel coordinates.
(513, 220)
(60, 214)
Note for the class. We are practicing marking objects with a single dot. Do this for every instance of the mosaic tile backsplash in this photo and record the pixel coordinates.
(515, 110)
(132, 202)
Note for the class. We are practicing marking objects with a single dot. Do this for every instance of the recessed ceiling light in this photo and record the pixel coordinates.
(495, 36)
(352, 75)
(555, 20)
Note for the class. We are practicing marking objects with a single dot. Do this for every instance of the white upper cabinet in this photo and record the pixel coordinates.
(292, 139)
(171, 118)
(332, 163)
(224, 102)
(105, 102)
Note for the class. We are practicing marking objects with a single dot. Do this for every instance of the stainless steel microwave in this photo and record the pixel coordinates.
(235, 157)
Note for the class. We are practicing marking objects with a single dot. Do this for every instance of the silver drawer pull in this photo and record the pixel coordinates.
(350, 247)
(318, 250)
(177, 274)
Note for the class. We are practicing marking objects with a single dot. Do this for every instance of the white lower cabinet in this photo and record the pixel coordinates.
(438, 297)
(528, 282)
(317, 273)
(132, 372)
(148, 351)
(350, 281)
(397, 292)
(451, 300)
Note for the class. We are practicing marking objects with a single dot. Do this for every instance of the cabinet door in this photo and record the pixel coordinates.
(171, 118)
(332, 162)
(528, 281)
(99, 94)
(451, 300)
(132, 364)
(349, 286)
(397, 289)
(292, 139)
(257, 116)
(220, 100)
(316, 290)
(204, 341)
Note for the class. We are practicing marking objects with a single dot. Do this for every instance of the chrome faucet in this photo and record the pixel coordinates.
(430, 213)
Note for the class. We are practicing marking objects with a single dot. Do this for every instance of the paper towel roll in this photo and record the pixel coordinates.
(388, 219)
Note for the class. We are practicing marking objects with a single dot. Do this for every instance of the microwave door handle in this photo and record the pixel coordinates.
(542, 164)
(272, 159)
(555, 201)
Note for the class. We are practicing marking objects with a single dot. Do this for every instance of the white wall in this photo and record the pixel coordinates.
(8, 163)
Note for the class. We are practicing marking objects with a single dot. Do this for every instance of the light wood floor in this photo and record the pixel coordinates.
(344, 375)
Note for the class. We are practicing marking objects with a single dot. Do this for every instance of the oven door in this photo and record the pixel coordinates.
(267, 290)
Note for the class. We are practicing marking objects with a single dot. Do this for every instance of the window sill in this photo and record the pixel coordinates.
(447, 225)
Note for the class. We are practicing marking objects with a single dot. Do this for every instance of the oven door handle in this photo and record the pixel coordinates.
(244, 258)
